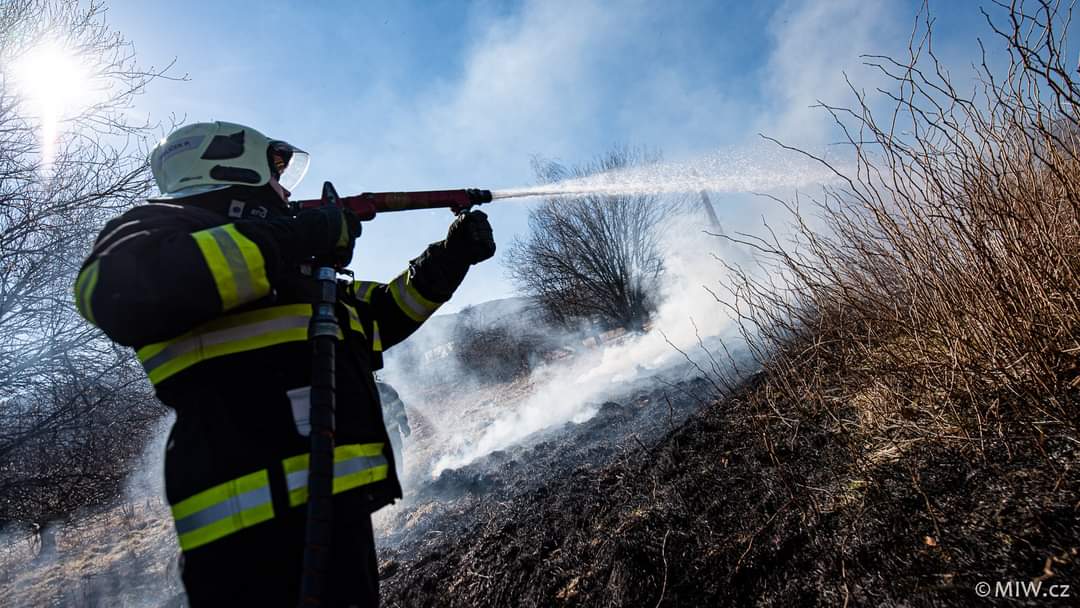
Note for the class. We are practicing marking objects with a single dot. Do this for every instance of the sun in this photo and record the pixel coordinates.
(54, 84)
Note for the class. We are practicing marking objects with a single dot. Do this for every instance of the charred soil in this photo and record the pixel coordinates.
(706, 506)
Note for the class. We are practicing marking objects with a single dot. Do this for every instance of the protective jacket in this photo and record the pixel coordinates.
(211, 295)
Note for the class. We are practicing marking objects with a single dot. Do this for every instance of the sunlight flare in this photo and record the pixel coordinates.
(55, 84)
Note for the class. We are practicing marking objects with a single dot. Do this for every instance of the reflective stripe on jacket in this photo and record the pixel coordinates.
(218, 314)
(227, 335)
(245, 501)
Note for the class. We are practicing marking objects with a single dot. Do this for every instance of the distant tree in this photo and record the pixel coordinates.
(497, 351)
(61, 176)
(593, 256)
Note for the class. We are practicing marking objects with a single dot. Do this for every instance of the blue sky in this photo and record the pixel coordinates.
(423, 95)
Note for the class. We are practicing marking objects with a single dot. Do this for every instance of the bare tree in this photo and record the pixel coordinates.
(595, 256)
(59, 181)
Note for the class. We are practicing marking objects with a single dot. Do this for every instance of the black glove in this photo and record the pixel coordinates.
(329, 233)
(470, 238)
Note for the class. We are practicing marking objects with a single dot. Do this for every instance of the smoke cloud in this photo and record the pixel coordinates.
(689, 320)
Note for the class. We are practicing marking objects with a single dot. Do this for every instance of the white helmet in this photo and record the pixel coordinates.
(207, 156)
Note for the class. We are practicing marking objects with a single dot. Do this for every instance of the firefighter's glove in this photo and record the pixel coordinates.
(470, 238)
(329, 233)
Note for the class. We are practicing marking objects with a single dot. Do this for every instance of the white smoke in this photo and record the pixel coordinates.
(571, 392)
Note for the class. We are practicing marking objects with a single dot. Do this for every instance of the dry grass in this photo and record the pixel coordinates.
(914, 427)
(942, 303)
(122, 556)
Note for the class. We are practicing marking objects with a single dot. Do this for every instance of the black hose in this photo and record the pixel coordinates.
(322, 333)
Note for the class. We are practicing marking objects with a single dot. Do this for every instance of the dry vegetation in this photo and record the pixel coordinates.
(914, 426)
(943, 303)
(121, 556)
(74, 409)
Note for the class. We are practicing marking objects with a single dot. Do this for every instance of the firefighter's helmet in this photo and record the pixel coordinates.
(207, 156)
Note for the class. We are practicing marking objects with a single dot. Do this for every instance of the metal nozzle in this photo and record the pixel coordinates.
(477, 196)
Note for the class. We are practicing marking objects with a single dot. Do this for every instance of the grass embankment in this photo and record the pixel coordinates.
(914, 429)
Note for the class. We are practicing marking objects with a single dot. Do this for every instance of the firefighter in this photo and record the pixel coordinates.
(206, 283)
(396, 420)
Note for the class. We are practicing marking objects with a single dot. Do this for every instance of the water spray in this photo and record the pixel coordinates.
(732, 171)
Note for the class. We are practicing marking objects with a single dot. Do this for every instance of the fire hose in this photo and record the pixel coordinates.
(322, 335)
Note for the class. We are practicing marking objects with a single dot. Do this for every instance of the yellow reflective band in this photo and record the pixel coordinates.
(234, 320)
(219, 268)
(409, 300)
(344, 452)
(376, 340)
(254, 264)
(235, 263)
(354, 320)
(84, 290)
(363, 290)
(296, 469)
(357, 465)
(223, 509)
(354, 465)
(225, 336)
(218, 493)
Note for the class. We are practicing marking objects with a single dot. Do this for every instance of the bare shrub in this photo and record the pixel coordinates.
(595, 256)
(499, 351)
(74, 447)
(65, 392)
(943, 300)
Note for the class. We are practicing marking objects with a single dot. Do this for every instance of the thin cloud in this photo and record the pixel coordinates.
(813, 45)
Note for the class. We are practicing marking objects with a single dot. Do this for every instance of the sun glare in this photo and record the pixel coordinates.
(54, 84)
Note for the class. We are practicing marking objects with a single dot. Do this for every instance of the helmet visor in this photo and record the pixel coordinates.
(287, 163)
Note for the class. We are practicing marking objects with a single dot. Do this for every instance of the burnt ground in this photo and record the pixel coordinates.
(664, 498)
(445, 506)
(701, 506)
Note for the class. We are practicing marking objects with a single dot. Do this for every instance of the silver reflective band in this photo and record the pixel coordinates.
(221, 336)
(419, 311)
(104, 239)
(363, 290)
(357, 464)
(227, 508)
(298, 479)
(241, 275)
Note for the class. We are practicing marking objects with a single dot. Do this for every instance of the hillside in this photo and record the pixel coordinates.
(715, 513)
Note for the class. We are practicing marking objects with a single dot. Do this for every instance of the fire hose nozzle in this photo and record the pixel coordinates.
(478, 196)
(368, 204)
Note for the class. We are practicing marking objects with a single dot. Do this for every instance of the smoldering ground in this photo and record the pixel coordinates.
(690, 351)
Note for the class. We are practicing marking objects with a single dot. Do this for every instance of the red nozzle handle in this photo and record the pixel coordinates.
(368, 204)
